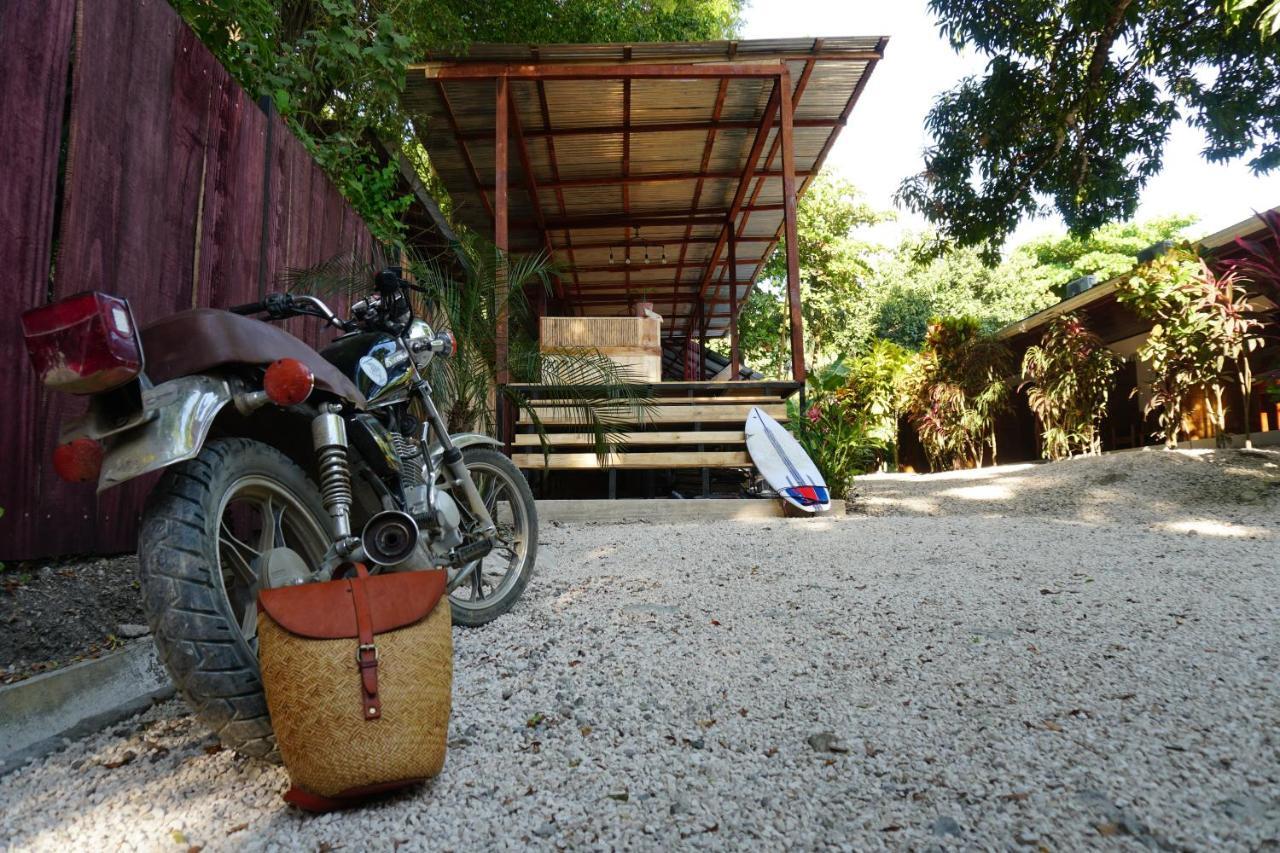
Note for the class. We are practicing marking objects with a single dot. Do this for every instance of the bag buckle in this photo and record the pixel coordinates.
(367, 647)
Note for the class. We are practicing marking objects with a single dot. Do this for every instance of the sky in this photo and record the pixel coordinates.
(886, 135)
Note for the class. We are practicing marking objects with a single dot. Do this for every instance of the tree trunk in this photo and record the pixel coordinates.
(1245, 375)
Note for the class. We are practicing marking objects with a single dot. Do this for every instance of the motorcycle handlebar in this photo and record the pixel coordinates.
(249, 308)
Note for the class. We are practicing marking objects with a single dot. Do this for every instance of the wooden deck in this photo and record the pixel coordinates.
(691, 425)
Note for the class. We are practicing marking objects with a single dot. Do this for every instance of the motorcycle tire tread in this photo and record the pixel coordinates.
(466, 618)
(196, 636)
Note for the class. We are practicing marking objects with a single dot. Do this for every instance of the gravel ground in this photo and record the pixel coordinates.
(998, 679)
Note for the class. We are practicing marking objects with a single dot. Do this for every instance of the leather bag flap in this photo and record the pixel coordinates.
(325, 611)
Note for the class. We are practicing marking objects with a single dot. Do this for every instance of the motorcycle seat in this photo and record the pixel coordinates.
(203, 339)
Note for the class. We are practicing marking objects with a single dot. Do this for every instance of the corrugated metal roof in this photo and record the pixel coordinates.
(620, 165)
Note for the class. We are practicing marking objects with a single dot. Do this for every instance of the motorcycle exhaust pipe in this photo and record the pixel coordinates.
(389, 537)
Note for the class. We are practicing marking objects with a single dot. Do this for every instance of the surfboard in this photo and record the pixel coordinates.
(784, 464)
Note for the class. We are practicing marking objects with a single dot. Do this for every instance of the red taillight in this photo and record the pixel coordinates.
(288, 382)
(78, 461)
(85, 344)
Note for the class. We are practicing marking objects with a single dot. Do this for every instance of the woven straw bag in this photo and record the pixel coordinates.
(358, 675)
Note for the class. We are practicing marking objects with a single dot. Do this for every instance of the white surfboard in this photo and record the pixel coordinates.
(784, 464)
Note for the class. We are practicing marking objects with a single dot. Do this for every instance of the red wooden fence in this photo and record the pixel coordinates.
(177, 191)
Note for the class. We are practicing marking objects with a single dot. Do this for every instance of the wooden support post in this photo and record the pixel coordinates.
(789, 217)
(735, 355)
(500, 239)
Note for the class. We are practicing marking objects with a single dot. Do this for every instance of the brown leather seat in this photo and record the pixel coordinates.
(205, 338)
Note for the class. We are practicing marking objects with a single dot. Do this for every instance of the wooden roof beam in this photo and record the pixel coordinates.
(705, 216)
(531, 186)
(748, 171)
(585, 71)
(822, 154)
(545, 113)
(671, 241)
(659, 178)
(462, 148)
(667, 127)
(638, 266)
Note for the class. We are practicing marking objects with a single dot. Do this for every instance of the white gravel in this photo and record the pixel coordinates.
(1021, 667)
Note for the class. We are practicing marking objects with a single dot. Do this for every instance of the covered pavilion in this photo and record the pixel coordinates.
(655, 173)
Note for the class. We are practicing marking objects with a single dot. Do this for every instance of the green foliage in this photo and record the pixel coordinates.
(1069, 377)
(835, 439)
(851, 423)
(602, 398)
(954, 389)
(1268, 22)
(1076, 106)
(1180, 348)
(834, 268)
(855, 292)
(335, 68)
(1108, 252)
(908, 292)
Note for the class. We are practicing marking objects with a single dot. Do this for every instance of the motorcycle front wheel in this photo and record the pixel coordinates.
(491, 586)
(203, 529)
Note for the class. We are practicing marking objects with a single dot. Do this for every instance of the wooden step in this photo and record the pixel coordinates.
(640, 461)
(675, 401)
(580, 439)
(720, 413)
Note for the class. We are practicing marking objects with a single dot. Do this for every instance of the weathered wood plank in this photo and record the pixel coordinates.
(674, 401)
(670, 414)
(635, 461)
(35, 44)
(586, 439)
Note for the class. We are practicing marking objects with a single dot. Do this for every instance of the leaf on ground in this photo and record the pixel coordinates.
(1052, 726)
(239, 827)
(621, 796)
(534, 720)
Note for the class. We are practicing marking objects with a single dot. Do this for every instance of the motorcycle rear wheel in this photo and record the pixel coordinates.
(202, 528)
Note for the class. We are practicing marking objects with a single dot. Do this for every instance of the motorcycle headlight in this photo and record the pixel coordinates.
(419, 336)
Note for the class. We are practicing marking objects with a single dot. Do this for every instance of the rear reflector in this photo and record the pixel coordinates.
(85, 344)
(78, 461)
(288, 382)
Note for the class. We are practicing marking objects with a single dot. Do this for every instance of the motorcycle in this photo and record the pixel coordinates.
(280, 465)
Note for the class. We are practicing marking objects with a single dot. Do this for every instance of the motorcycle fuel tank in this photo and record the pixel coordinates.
(377, 363)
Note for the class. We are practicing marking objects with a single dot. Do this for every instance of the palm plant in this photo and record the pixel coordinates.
(1068, 377)
(600, 397)
(955, 389)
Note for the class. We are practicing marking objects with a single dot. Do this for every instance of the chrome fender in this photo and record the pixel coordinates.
(462, 440)
(179, 414)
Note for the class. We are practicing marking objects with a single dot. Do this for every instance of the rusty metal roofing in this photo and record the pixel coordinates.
(631, 180)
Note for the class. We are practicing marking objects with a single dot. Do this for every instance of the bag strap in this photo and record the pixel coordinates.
(366, 651)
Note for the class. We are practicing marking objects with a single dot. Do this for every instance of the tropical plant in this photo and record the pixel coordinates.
(1259, 267)
(955, 388)
(872, 397)
(1235, 333)
(1076, 105)
(1181, 348)
(829, 431)
(1068, 377)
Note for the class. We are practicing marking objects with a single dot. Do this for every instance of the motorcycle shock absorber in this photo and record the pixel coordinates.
(329, 435)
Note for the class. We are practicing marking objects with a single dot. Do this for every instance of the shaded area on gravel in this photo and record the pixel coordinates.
(900, 682)
(55, 613)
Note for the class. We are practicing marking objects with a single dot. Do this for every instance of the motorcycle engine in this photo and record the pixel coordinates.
(431, 506)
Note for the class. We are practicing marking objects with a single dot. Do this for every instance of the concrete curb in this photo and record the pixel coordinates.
(38, 715)
(666, 510)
